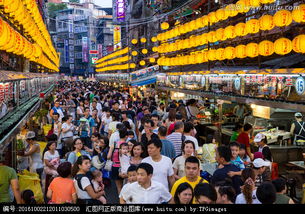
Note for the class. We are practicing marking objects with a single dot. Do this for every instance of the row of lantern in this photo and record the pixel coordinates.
(266, 22)
(114, 61)
(222, 14)
(26, 13)
(13, 42)
(112, 55)
(281, 46)
(117, 67)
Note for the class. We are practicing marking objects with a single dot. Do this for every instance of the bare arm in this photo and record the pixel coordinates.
(32, 150)
(49, 193)
(16, 190)
(109, 156)
(171, 180)
(292, 129)
(176, 174)
(122, 201)
(92, 193)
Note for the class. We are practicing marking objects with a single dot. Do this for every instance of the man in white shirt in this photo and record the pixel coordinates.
(98, 107)
(163, 167)
(188, 131)
(145, 190)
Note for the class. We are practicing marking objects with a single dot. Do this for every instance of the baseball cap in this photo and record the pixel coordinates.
(30, 135)
(259, 137)
(258, 163)
(298, 114)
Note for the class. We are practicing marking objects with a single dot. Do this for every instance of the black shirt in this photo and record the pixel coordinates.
(144, 139)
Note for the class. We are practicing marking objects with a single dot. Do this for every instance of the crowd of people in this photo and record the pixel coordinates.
(148, 148)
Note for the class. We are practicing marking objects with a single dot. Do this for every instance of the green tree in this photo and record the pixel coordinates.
(53, 7)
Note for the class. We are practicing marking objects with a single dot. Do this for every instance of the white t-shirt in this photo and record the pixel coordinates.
(124, 161)
(194, 140)
(136, 194)
(162, 169)
(240, 199)
(112, 126)
(68, 133)
(115, 137)
(179, 164)
(49, 156)
(107, 121)
(80, 193)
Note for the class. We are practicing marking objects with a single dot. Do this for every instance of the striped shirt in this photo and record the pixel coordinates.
(176, 139)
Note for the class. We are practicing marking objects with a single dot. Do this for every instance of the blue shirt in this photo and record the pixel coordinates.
(168, 149)
(238, 162)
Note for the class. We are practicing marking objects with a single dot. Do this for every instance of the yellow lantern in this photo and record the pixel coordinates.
(134, 41)
(220, 14)
(132, 65)
(142, 63)
(298, 14)
(3, 32)
(220, 34)
(230, 10)
(265, 48)
(252, 26)
(212, 37)
(220, 54)
(164, 26)
(212, 17)
(144, 51)
(229, 32)
(205, 20)
(240, 29)
(229, 52)
(242, 6)
(204, 38)
(198, 23)
(298, 44)
(154, 39)
(282, 46)
(255, 3)
(192, 25)
(143, 40)
(152, 60)
(282, 18)
(134, 53)
(240, 51)
(212, 55)
(267, 1)
(252, 49)
(266, 22)
(154, 49)
(11, 44)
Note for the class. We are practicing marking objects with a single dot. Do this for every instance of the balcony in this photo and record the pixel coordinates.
(81, 29)
(78, 42)
(60, 30)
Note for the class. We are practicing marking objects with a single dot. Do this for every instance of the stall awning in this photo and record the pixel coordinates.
(144, 82)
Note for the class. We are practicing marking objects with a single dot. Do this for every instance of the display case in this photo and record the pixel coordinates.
(192, 82)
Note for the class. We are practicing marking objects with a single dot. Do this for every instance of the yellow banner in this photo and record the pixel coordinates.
(116, 37)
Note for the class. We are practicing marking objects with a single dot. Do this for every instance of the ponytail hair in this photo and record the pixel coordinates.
(28, 197)
(248, 177)
(79, 161)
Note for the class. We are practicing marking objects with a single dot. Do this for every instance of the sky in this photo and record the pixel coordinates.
(104, 3)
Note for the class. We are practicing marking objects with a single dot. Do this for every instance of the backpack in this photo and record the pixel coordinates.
(78, 178)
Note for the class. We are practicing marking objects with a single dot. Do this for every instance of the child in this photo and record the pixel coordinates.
(27, 197)
(235, 159)
(243, 156)
(98, 185)
(124, 160)
(132, 177)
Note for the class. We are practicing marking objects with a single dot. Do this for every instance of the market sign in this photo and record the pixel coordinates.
(300, 85)
(117, 37)
(261, 111)
(93, 52)
(93, 60)
(120, 10)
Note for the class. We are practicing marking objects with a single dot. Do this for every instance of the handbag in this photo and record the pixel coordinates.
(108, 165)
(97, 163)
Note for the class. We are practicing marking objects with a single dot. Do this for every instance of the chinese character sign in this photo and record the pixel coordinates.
(85, 49)
(117, 37)
(120, 10)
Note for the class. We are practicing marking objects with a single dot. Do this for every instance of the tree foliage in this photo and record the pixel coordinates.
(53, 7)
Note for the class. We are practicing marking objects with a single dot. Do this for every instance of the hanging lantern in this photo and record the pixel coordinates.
(205, 20)
(134, 53)
(198, 23)
(242, 6)
(240, 51)
(198, 58)
(142, 63)
(154, 39)
(134, 41)
(229, 32)
(212, 55)
(298, 44)
(164, 26)
(240, 29)
(298, 14)
(252, 50)
(132, 65)
(192, 25)
(266, 22)
(152, 60)
(265, 48)
(252, 26)
(204, 38)
(220, 54)
(267, 1)
(212, 37)
(220, 14)
(230, 10)
(282, 18)
(255, 3)
(144, 51)
(220, 34)
(3, 32)
(229, 52)
(143, 40)
(212, 17)
(282, 46)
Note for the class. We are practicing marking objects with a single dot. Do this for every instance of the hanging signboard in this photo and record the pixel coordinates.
(85, 49)
(1, 92)
(120, 10)
(300, 85)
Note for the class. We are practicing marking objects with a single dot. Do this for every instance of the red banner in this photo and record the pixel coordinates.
(1, 92)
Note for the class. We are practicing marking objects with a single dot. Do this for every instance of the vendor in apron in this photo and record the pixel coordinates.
(298, 129)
